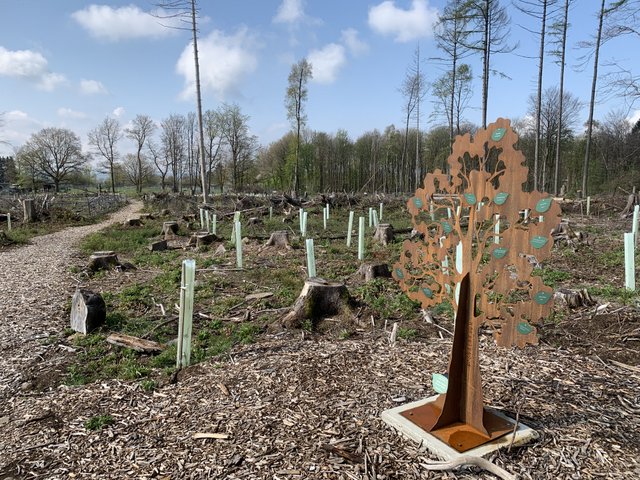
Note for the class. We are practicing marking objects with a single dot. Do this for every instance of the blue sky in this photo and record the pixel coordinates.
(71, 63)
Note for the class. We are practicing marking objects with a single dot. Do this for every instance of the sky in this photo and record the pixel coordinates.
(72, 63)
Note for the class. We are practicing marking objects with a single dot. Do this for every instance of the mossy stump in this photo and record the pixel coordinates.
(319, 299)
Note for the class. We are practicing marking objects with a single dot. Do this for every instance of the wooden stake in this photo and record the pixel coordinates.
(629, 262)
(349, 228)
(311, 259)
(185, 321)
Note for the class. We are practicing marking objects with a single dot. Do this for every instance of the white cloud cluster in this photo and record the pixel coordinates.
(404, 25)
(69, 113)
(118, 111)
(634, 117)
(327, 62)
(18, 127)
(224, 61)
(353, 43)
(113, 24)
(29, 65)
(289, 11)
(92, 87)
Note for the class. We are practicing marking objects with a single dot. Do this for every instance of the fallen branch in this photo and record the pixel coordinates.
(352, 457)
(470, 460)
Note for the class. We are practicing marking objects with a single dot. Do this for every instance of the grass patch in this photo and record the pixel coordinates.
(99, 422)
(551, 277)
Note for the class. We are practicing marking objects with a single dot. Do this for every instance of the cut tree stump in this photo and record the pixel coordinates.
(632, 201)
(133, 222)
(103, 261)
(169, 229)
(574, 298)
(384, 233)
(135, 343)
(319, 299)
(158, 246)
(279, 238)
(201, 239)
(28, 210)
(369, 271)
(88, 311)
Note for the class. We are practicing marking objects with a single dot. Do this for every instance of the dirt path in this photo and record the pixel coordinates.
(34, 288)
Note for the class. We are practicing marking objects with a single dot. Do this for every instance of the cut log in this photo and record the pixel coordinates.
(88, 311)
(369, 271)
(319, 299)
(102, 261)
(279, 238)
(384, 233)
(135, 343)
(169, 229)
(158, 246)
(574, 298)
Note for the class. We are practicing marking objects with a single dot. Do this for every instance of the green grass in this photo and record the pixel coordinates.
(551, 277)
(609, 292)
(121, 239)
(98, 422)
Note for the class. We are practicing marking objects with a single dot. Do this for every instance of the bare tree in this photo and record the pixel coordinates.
(160, 159)
(213, 145)
(460, 85)
(137, 168)
(55, 153)
(452, 36)
(241, 144)
(187, 11)
(141, 129)
(295, 97)
(492, 24)
(104, 139)
(173, 143)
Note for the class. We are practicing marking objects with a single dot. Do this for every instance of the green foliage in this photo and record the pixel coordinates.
(610, 292)
(121, 239)
(99, 422)
(551, 277)
(406, 333)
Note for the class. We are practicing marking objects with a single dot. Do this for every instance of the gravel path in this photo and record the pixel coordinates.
(35, 286)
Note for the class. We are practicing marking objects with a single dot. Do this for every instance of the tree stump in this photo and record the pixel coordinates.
(169, 229)
(318, 299)
(133, 222)
(158, 246)
(201, 239)
(28, 210)
(574, 298)
(369, 271)
(632, 201)
(279, 238)
(384, 233)
(88, 311)
(102, 261)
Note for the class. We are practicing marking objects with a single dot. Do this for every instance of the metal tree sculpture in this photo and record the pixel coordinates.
(481, 237)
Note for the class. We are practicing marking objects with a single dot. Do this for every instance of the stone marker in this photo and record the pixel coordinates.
(88, 311)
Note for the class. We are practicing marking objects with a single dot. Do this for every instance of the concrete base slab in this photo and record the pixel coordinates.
(437, 447)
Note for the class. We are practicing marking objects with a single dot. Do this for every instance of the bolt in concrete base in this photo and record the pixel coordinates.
(392, 417)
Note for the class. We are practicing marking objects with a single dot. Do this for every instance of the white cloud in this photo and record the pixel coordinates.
(92, 87)
(634, 117)
(353, 43)
(118, 112)
(404, 25)
(289, 11)
(69, 113)
(50, 81)
(327, 62)
(29, 65)
(224, 62)
(18, 127)
(114, 24)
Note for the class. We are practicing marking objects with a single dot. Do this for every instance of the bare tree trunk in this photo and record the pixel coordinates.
(419, 88)
(556, 170)
(194, 30)
(585, 168)
(536, 150)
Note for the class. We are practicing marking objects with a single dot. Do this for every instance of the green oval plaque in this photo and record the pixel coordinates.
(500, 198)
(524, 328)
(446, 228)
(538, 241)
(427, 292)
(417, 202)
(471, 198)
(543, 205)
(498, 133)
(440, 382)
(500, 252)
(541, 298)
(399, 273)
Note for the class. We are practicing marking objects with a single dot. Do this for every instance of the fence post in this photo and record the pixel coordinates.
(185, 322)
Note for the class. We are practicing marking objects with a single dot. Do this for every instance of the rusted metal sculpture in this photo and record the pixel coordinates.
(482, 236)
